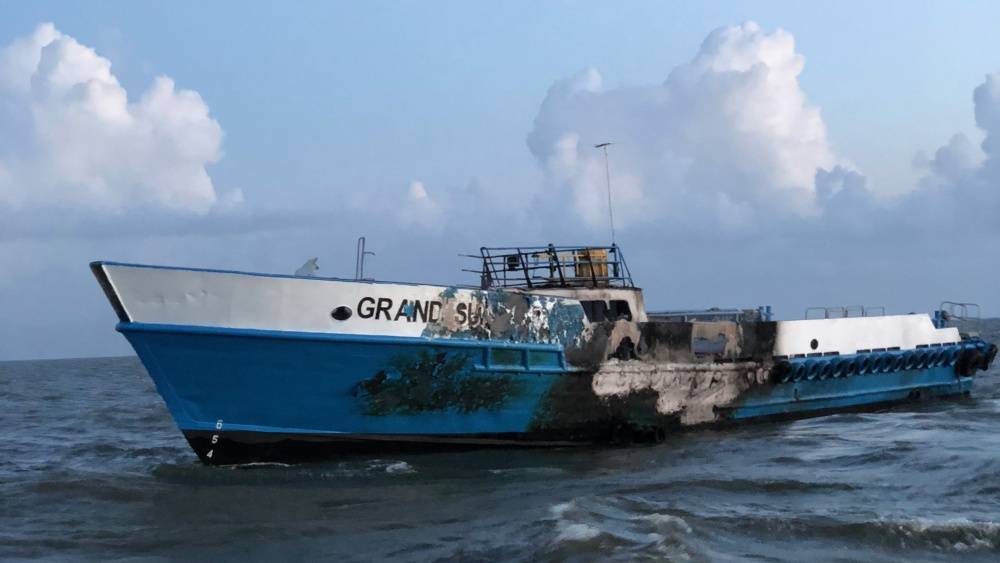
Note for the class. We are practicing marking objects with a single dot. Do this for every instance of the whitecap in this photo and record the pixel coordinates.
(576, 532)
(667, 520)
(400, 467)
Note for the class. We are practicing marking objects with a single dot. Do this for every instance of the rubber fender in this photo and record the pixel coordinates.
(922, 359)
(781, 372)
(968, 361)
(866, 365)
(884, 363)
(950, 355)
(825, 370)
(898, 361)
(841, 368)
(936, 356)
(794, 371)
(876, 365)
(988, 356)
(797, 371)
(975, 360)
(812, 369)
(849, 367)
(943, 356)
(911, 360)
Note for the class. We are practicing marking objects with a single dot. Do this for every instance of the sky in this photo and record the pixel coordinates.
(782, 153)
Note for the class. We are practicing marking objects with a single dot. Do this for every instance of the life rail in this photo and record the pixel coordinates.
(845, 311)
(762, 313)
(957, 314)
(552, 266)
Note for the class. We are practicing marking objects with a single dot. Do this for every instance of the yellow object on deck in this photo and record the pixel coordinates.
(591, 263)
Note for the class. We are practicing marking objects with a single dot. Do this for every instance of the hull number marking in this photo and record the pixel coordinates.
(215, 438)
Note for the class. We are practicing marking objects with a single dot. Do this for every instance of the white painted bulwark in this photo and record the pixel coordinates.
(235, 300)
(249, 301)
(849, 335)
(208, 298)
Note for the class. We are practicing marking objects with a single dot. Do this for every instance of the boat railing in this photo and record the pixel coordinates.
(966, 316)
(712, 315)
(553, 266)
(845, 311)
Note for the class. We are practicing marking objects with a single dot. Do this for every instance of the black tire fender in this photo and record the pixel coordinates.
(988, 357)
(969, 360)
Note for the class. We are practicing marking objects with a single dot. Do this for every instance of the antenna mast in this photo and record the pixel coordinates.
(359, 259)
(607, 176)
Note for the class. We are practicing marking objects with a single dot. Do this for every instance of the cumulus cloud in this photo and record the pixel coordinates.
(70, 136)
(728, 136)
(961, 187)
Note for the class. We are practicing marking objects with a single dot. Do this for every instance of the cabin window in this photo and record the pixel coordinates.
(596, 311)
(599, 311)
(620, 311)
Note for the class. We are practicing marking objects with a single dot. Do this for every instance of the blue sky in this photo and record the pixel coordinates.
(325, 103)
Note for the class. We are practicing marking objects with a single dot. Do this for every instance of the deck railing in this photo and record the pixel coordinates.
(553, 266)
(845, 311)
(967, 317)
(762, 313)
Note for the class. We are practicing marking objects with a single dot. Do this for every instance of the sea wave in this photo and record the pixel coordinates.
(616, 529)
(956, 534)
(889, 533)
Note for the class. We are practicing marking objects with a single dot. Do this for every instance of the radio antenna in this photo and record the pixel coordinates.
(359, 259)
(607, 176)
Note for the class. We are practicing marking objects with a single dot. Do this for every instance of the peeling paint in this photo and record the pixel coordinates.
(508, 316)
(694, 392)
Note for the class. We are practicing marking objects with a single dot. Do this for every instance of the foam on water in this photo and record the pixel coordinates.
(399, 467)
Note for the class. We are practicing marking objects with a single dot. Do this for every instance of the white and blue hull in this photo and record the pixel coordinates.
(260, 368)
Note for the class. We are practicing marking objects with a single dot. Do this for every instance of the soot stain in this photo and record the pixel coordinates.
(428, 382)
(571, 410)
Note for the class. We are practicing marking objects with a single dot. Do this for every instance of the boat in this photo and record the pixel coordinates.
(553, 347)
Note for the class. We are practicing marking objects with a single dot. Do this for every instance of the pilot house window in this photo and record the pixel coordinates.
(620, 311)
(600, 311)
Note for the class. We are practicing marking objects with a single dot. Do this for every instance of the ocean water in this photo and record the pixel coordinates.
(91, 467)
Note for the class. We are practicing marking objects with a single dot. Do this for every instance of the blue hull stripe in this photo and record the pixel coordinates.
(313, 383)
(333, 337)
(273, 381)
(851, 392)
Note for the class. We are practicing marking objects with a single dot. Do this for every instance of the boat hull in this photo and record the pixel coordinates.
(256, 367)
(244, 396)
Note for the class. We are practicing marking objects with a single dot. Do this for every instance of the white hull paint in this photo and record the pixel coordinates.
(209, 298)
(849, 335)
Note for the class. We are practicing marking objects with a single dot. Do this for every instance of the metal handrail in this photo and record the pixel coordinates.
(845, 311)
(713, 314)
(553, 266)
(950, 308)
(956, 311)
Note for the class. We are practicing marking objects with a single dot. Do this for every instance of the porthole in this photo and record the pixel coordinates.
(341, 313)
(814, 344)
